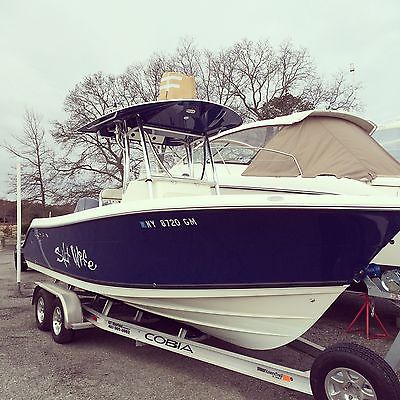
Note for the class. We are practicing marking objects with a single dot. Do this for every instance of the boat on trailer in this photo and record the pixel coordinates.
(255, 270)
(230, 266)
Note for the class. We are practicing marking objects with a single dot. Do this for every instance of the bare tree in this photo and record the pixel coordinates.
(89, 162)
(32, 149)
(100, 159)
(260, 77)
(254, 78)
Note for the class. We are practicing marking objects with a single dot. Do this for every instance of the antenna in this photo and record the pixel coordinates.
(352, 70)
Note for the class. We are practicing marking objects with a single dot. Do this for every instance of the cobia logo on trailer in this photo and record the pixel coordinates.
(151, 337)
(72, 254)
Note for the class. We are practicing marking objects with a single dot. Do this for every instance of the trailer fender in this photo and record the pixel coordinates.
(69, 299)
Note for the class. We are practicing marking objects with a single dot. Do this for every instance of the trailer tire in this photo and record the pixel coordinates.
(59, 332)
(354, 371)
(43, 301)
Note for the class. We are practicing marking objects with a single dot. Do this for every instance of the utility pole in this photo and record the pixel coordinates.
(19, 222)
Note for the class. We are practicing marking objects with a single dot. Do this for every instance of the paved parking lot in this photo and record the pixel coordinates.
(100, 365)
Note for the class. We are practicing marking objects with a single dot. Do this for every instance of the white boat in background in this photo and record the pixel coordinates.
(311, 152)
(388, 136)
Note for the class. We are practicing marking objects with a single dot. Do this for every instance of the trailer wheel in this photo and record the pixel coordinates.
(43, 301)
(353, 372)
(58, 330)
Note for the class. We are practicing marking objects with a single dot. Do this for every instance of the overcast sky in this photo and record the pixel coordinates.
(48, 46)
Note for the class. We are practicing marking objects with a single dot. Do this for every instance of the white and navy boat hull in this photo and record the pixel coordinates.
(257, 275)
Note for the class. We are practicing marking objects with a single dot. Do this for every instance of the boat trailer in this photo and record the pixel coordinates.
(343, 371)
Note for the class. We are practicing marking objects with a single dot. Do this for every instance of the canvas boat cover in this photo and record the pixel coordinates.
(324, 144)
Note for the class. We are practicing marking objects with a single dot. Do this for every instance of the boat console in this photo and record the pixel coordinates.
(166, 188)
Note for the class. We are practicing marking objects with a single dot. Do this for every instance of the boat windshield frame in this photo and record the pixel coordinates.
(242, 144)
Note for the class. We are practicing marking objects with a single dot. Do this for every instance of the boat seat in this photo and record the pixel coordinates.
(109, 196)
(165, 188)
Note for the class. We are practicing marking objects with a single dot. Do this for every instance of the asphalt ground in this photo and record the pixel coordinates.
(101, 365)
